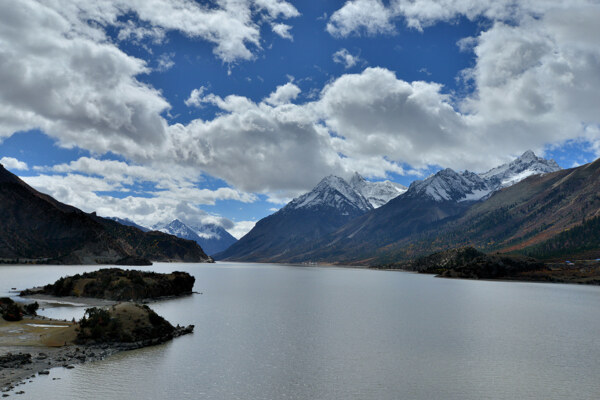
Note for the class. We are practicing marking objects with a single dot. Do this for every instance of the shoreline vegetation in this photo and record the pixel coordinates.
(31, 345)
(469, 263)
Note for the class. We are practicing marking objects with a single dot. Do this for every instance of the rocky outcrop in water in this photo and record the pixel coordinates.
(128, 325)
(118, 284)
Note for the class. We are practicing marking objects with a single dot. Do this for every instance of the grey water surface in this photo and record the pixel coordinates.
(266, 331)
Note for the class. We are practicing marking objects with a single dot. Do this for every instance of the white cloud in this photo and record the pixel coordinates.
(535, 81)
(374, 17)
(63, 75)
(165, 62)
(344, 57)
(283, 94)
(278, 8)
(282, 30)
(356, 16)
(240, 228)
(129, 31)
(195, 99)
(111, 188)
(13, 163)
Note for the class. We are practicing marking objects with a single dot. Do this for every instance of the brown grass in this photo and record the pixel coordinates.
(20, 333)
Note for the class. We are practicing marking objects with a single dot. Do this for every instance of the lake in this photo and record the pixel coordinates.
(266, 331)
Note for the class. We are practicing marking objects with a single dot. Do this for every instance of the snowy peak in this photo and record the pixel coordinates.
(377, 193)
(528, 164)
(449, 185)
(333, 192)
(177, 228)
(211, 237)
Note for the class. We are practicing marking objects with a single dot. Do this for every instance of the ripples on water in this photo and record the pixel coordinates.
(277, 332)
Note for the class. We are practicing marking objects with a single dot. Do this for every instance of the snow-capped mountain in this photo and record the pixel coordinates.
(449, 185)
(177, 228)
(211, 237)
(528, 164)
(332, 192)
(331, 204)
(377, 193)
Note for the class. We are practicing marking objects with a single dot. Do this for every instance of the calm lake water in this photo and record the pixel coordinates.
(286, 332)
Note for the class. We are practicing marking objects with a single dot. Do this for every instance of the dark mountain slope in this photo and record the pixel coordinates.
(527, 213)
(367, 237)
(579, 242)
(35, 227)
(306, 219)
(154, 245)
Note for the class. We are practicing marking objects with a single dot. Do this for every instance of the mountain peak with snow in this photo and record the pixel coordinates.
(449, 185)
(211, 237)
(515, 171)
(332, 191)
(377, 193)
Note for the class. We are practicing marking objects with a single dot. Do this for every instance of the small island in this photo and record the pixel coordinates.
(118, 285)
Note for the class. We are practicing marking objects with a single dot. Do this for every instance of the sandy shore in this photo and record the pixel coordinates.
(34, 345)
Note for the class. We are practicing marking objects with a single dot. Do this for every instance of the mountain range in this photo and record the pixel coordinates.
(509, 208)
(34, 227)
(528, 206)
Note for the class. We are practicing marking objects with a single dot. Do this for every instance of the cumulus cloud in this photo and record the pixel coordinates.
(283, 30)
(534, 80)
(374, 17)
(283, 94)
(63, 75)
(195, 99)
(357, 16)
(13, 163)
(116, 189)
(344, 57)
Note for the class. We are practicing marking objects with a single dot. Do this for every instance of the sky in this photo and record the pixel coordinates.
(222, 111)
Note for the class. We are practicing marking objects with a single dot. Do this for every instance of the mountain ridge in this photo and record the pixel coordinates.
(37, 228)
(330, 204)
(425, 208)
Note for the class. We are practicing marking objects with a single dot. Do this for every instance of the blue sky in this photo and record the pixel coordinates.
(222, 111)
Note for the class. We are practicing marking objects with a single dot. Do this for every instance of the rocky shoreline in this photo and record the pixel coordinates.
(21, 364)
